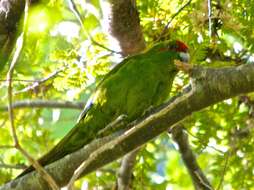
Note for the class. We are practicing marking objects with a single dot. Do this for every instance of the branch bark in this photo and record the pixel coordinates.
(125, 26)
(209, 86)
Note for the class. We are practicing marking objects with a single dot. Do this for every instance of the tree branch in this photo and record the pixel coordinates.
(125, 26)
(75, 11)
(124, 177)
(9, 166)
(209, 86)
(41, 81)
(172, 18)
(44, 104)
(199, 179)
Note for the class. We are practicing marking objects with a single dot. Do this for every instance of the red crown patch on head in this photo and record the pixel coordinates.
(181, 47)
(176, 46)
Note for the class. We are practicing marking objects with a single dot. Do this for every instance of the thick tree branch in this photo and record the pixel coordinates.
(44, 104)
(125, 26)
(199, 179)
(209, 86)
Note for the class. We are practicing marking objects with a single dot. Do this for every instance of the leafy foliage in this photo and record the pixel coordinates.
(221, 135)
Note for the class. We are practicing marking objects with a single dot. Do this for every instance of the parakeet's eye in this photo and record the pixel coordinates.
(173, 47)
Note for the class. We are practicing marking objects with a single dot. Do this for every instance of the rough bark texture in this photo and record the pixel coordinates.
(209, 87)
(125, 26)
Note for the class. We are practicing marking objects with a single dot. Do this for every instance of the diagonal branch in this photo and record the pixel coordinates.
(41, 81)
(198, 177)
(172, 18)
(75, 11)
(209, 86)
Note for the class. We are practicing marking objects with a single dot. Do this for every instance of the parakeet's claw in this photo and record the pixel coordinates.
(115, 125)
(182, 66)
(148, 111)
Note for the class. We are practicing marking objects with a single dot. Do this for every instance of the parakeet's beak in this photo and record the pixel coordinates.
(184, 57)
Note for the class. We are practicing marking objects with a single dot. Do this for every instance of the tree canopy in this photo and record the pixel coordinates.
(70, 45)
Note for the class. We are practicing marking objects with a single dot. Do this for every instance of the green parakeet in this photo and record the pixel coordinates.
(134, 85)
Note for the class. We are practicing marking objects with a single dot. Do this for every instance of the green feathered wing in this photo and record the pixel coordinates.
(134, 85)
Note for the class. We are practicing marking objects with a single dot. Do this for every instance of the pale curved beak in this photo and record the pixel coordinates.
(184, 57)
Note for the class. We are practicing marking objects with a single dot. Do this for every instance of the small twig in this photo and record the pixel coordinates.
(172, 18)
(6, 146)
(201, 180)
(3, 123)
(104, 47)
(9, 79)
(9, 166)
(224, 170)
(19, 47)
(39, 82)
(19, 80)
(44, 104)
(74, 9)
(209, 7)
(204, 144)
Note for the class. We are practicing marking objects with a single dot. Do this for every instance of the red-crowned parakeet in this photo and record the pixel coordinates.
(134, 85)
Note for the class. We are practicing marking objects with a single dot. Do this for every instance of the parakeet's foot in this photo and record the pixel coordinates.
(148, 111)
(182, 66)
(113, 126)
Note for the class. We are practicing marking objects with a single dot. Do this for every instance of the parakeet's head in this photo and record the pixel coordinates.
(173, 46)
